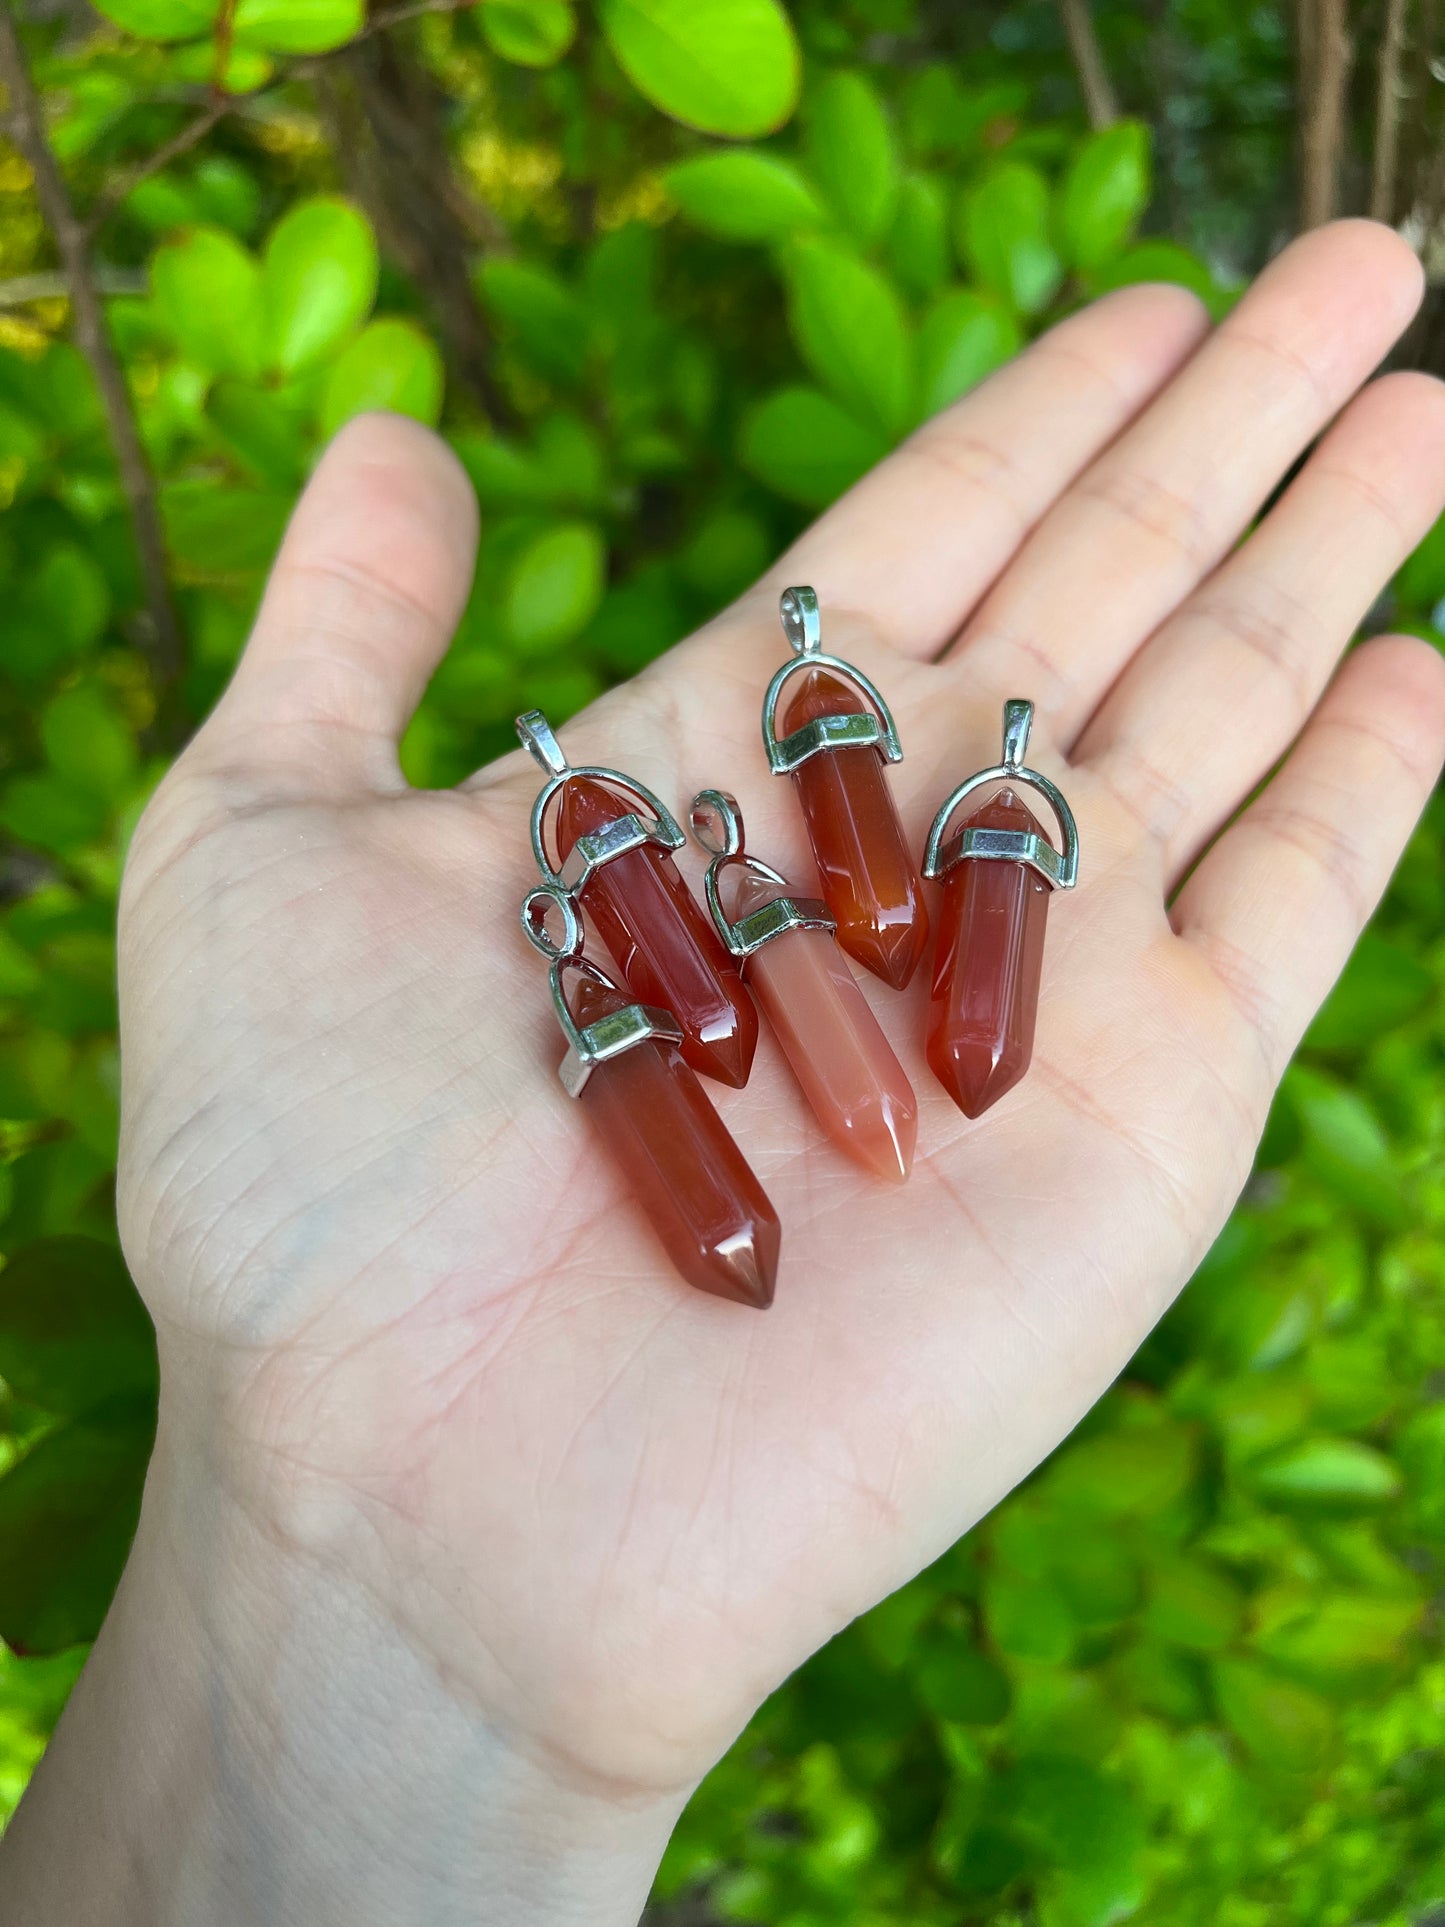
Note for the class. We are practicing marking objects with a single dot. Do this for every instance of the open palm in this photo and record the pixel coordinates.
(397, 1282)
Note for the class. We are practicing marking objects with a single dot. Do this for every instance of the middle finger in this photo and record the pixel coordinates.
(1157, 511)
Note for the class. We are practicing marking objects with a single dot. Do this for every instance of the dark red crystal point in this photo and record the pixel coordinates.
(693, 1183)
(867, 871)
(986, 972)
(663, 941)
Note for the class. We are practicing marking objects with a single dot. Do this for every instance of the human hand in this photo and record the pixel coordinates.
(433, 1406)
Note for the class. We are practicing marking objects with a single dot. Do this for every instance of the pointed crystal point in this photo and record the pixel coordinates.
(841, 1058)
(689, 1177)
(664, 943)
(986, 973)
(867, 871)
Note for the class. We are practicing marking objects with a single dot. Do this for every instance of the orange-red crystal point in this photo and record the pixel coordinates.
(867, 871)
(697, 1190)
(986, 972)
(662, 940)
(846, 1067)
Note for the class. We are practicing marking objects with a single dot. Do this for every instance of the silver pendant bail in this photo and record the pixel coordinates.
(802, 621)
(1059, 869)
(536, 736)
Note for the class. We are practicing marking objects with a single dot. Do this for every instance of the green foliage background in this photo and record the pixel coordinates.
(716, 262)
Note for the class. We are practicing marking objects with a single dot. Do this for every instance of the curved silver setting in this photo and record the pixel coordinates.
(1058, 868)
(717, 823)
(629, 830)
(802, 625)
(587, 1044)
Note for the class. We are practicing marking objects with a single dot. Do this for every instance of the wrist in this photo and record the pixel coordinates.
(253, 1740)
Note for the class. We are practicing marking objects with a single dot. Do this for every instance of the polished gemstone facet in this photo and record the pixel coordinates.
(665, 946)
(986, 973)
(841, 1058)
(985, 976)
(691, 1180)
(868, 874)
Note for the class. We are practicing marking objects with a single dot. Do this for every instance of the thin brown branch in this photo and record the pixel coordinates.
(383, 115)
(1094, 83)
(51, 285)
(190, 136)
(225, 34)
(1326, 54)
(1385, 161)
(161, 636)
(411, 10)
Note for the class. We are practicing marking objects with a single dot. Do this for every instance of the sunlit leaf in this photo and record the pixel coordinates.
(319, 280)
(851, 152)
(298, 26)
(1005, 236)
(392, 365)
(554, 587)
(1103, 194)
(207, 291)
(533, 33)
(744, 196)
(725, 66)
(806, 446)
(851, 330)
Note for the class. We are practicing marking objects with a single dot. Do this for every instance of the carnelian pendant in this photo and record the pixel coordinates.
(837, 734)
(999, 871)
(624, 1063)
(618, 863)
(839, 1055)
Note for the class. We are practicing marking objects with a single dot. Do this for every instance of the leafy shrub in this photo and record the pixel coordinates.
(1188, 1674)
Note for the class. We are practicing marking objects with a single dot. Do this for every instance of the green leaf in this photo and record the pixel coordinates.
(850, 329)
(73, 1333)
(52, 814)
(532, 33)
(1193, 1604)
(851, 153)
(1085, 1823)
(213, 531)
(554, 587)
(743, 196)
(161, 19)
(319, 280)
(89, 745)
(1342, 1644)
(298, 26)
(1345, 1146)
(1284, 1725)
(391, 364)
(807, 448)
(207, 291)
(1104, 192)
(957, 1682)
(1383, 984)
(1003, 236)
(1123, 1474)
(259, 432)
(918, 244)
(1331, 1475)
(725, 555)
(68, 1513)
(1159, 261)
(963, 337)
(539, 312)
(725, 66)
(1028, 1618)
(60, 612)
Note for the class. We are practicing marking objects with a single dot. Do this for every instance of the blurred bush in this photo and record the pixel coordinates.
(670, 275)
